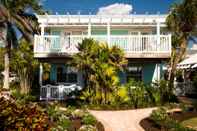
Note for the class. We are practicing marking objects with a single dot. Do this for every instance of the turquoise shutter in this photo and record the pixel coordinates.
(53, 73)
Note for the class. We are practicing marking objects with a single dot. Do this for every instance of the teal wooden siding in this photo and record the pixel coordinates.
(98, 32)
(148, 72)
(55, 42)
(113, 32)
(53, 73)
(119, 32)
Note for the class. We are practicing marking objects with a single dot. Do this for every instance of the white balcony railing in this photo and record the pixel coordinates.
(129, 43)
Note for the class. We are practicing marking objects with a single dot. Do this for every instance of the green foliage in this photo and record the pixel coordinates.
(22, 98)
(165, 91)
(61, 119)
(89, 120)
(161, 118)
(22, 116)
(136, 92)
(100, 65)
(24, 64)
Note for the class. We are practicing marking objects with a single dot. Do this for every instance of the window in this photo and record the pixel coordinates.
(134, 72)
(66, 75)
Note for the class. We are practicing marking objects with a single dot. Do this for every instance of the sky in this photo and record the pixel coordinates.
(109, 6)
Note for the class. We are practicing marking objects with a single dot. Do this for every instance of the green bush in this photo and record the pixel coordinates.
(159, 116)
(22, 98)
(162, 119)
(88, 119)
(60, 118)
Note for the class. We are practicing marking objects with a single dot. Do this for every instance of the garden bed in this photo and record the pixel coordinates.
(150, 125)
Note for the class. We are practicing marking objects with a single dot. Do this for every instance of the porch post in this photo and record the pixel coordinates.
(89, 30)
(158, 35)
(42, 34)
(158, 71)
(108, 33)
(42, 30)
(40, 74)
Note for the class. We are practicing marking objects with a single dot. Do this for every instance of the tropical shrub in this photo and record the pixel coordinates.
(22, 117)
(24, 64)
(162, 119)
(88, 120)
(165, 91)
(99, 64)
(22, 98)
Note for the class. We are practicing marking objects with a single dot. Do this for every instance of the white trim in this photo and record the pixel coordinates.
(89, 29)
(101, 18)
(108, 33)
(103, 25)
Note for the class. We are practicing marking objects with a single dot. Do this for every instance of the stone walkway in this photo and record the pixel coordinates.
(125, 120)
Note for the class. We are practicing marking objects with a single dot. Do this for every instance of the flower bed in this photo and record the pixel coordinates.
(33, 116)
(160, 120)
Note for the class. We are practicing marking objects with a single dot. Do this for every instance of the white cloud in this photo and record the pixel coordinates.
(115, 9)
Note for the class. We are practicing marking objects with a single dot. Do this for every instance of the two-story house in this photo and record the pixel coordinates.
(144, 38)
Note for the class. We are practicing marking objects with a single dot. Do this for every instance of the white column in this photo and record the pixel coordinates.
(42, 36)
(42, 30)
(89, 30)
(158, 35)
(108, 33)
(40, 74)
(158, 71)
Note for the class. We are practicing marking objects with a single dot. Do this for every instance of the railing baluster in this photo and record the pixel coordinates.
(129, 43)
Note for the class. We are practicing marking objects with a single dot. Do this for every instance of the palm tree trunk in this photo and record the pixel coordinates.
(179, 56)
(6, 71)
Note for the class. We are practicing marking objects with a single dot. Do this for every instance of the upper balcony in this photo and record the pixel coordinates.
(135, 46)
(140, 36)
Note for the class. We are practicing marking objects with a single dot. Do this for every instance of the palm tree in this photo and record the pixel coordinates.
(182, 21)
(17, 15)
(99, 64)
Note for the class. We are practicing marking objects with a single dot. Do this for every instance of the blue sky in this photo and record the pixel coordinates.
(86, 6)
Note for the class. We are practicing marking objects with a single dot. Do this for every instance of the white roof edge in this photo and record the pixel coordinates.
(108, 16)
(133, 18)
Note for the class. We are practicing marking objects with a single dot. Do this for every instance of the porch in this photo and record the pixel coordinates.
(57, 92)
(135, 46)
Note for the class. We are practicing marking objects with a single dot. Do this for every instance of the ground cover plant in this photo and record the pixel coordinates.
(164, 119)
(19, 112)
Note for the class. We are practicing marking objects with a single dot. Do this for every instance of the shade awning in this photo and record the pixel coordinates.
(189, 61)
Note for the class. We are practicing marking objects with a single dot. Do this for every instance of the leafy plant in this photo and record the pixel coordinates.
(89, 120)
(24, 64)
(22, 116)
(161, 118)
(100, 65)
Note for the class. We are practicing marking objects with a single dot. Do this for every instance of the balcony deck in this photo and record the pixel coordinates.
(135, 46)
